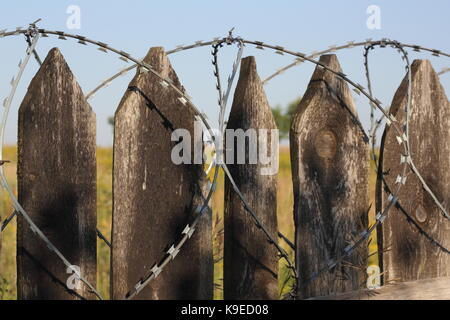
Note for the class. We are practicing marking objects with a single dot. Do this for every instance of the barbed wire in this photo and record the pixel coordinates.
(375, 125)
(175, 248)
(381, 43)
(198, 44)
(278, 49)
(183, 98)
(402, 138)
(34, 36)
(423, 232)
(392, 199)
(352, 44)
(11, 217)
(405, 158)
(223, 99)
(443, 71)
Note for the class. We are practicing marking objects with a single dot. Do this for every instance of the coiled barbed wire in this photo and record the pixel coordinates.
(183, 98)
(260, 44)
(390, 119)
(368, 43)
(352, 44)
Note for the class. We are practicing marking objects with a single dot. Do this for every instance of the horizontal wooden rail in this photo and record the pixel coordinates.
(426, 289)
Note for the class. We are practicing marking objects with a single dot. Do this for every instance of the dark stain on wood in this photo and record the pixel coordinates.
(329, 158)
(56, 183)
(250, 261)
(154, 199)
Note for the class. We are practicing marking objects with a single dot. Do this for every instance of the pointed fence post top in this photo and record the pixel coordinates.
(55, 72)
(421, 65)
(55, 63)
(424, 77)
(250, 103)
(420, 68)
(325, 86)
(248, 76)
(248, 68)
(54, 76)
(331, 61)
(158, 59)
(55, 55)
(334, 83)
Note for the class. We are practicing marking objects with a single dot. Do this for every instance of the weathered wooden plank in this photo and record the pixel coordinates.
(426, 289)
(250, 261)
(406, 252)
(154, 199)
(329, 158)
(56, 182)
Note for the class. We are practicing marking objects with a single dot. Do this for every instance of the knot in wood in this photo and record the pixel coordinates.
(325, 143)
(420, 212)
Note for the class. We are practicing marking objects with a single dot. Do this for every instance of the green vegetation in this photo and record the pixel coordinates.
(104, 209)
(283, 117)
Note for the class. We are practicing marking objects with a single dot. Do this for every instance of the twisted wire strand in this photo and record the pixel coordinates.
(234, 71)
(443, 71)
(7, 221)
(369, 88)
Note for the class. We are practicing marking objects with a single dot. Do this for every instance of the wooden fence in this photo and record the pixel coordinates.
(154, 199)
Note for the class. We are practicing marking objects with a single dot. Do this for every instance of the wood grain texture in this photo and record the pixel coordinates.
(429, 289)
(154, 199)
(250, 262)
(56, 182)
(411, 255)
(329, 158)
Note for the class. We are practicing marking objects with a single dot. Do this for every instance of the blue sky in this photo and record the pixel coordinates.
(135, 26)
